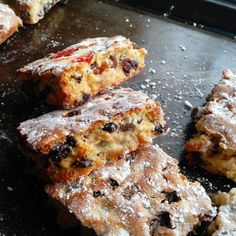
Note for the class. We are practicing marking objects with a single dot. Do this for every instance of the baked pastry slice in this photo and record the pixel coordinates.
(143, 194)
(72, 76)
(75, 142)
(225, 222)
(216, 137)
(31, 11)
(9, 22)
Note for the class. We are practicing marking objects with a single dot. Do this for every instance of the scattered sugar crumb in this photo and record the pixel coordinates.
(10, 189)
(188, 105)
(151, 70)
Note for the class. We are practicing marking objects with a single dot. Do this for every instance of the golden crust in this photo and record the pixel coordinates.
(78, 141)
(81, 71)
(216, 138)
(142, 194)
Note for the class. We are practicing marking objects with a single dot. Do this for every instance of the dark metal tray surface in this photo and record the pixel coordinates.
(182, 66)
(214, 15)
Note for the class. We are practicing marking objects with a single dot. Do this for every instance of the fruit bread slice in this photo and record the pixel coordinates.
(73, 143)
(216, 137)
(72, 76)
(143, 194)
(225, 222)
(31, 11)
(9, 22)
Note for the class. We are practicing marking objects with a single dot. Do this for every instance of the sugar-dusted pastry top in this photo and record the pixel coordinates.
(31, 11)
(225, 222)
(219, 114)
(51, 126)
(9, 22)
(84, 51)
(143, 194)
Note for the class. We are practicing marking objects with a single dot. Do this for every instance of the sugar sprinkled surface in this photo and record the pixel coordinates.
(138, 197)
(100, 108)
(57, 65)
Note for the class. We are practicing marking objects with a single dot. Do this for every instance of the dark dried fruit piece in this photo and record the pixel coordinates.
(128, 65)
(93, 65)
(113, 183)
(73, 113)
(86, 97)
(83, 163)
(98, 194)
(78, 78)
(127, 127)
(110, 127)
(113, 62)
(160, 129)
(59, 152)
(70, 141)
(163, 219)
(171, 197)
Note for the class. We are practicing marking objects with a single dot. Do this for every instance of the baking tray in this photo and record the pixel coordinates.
(214, 15)
(183, 64)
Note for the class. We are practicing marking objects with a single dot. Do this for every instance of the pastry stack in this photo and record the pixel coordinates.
(96, 153)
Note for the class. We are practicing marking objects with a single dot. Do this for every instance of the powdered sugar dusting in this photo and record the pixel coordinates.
(131, 206)
(219, 116)
(57, 65)
(101, 108)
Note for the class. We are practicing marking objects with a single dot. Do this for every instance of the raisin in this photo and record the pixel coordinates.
(140, 121)
(59, 152)
(160, 129)
(113, 62)
(162, 219)
(86, 97)
(171, 197)
(83, 163)
(128, 65)
(93, 66)
(70, 141)
(127, 127)
(98, 194)
(113, 183)
(110, 127)
(78, 78)
(73, 113)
